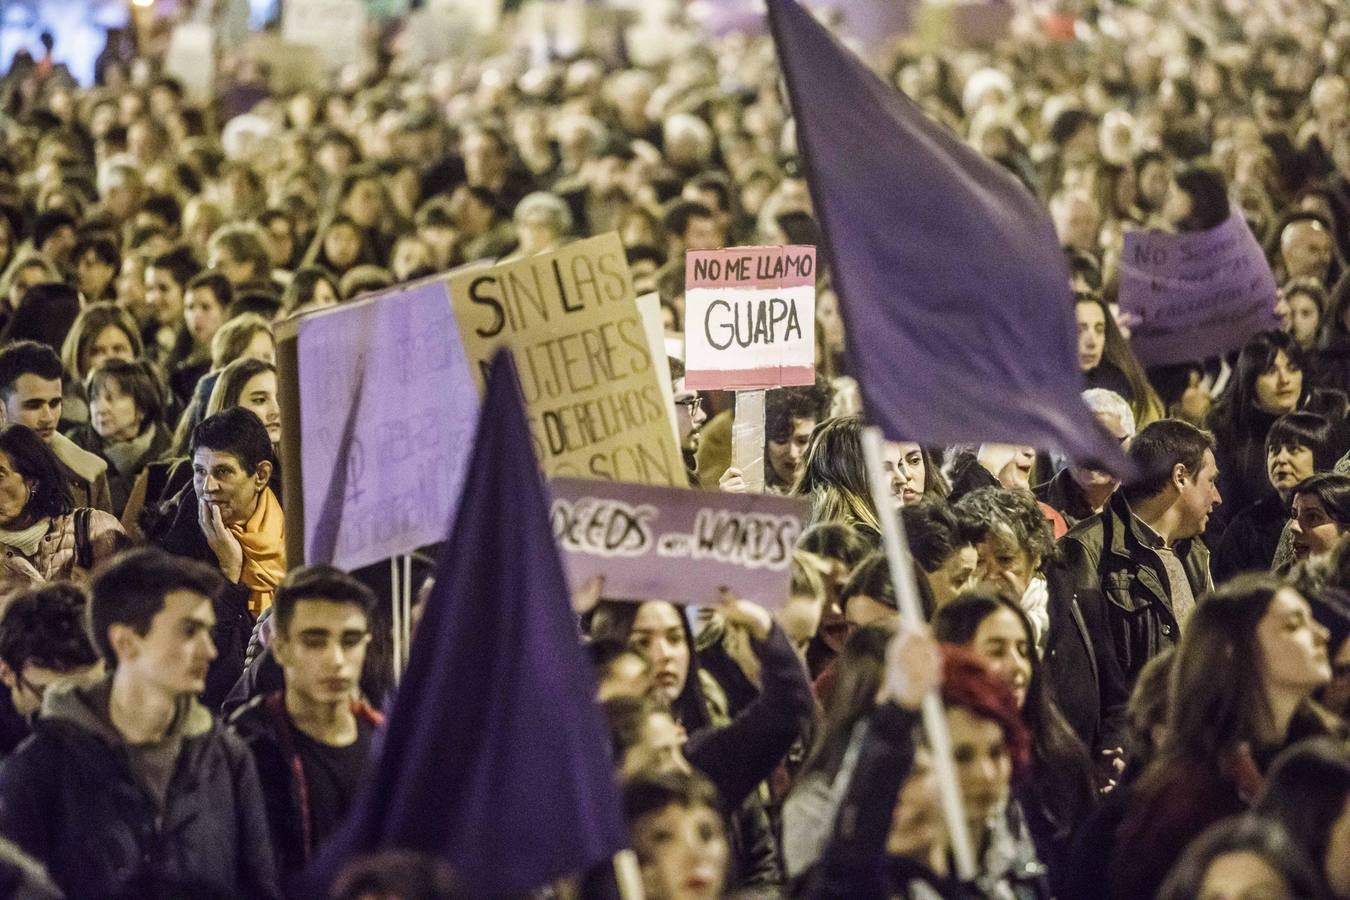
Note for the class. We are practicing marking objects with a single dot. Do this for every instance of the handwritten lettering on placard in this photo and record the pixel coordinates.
(591, 385)
(1196, 294)
(399, 353)
(678, 545)
(750, 317)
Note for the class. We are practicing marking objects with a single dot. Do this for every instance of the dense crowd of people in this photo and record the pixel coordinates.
(1147, 685)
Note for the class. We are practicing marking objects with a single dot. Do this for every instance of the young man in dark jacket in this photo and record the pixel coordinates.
(1137, 568)
(312, 739)
(130, 779)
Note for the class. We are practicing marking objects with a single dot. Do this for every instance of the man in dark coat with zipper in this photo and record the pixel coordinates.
(129, 783)
(312, 739)
(1135, 570)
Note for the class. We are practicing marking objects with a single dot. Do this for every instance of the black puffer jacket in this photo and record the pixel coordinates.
(70, 799)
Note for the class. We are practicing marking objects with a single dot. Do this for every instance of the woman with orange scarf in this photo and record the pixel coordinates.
(229, 517)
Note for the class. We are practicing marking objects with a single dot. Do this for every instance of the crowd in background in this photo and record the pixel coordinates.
(1146, 685)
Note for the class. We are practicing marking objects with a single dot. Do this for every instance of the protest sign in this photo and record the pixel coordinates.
(336, 27)
(382, 384)
(591, 383)
(1194, 295)
(654, 543)
(750, 316)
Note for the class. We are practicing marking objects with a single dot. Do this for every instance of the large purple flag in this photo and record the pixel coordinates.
(496, 758)
(954, 290)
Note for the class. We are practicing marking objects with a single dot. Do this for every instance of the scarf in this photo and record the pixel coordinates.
(263, 539)
(27, 540)
(125, 456)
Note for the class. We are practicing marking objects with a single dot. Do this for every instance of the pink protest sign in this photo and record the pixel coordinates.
(749, 320)
(660, 543)
(1197, 294)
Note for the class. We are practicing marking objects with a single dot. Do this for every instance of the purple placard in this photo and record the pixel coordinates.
(660, 543)
(413, 429)
(1197, 294)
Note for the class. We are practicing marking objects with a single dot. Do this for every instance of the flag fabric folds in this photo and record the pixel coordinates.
(954, 290)
(496, 757)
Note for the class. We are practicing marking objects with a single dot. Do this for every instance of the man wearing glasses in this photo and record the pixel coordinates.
(42, 640)
(690, 417)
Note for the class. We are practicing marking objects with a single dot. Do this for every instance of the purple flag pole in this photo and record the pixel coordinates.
(901, 564)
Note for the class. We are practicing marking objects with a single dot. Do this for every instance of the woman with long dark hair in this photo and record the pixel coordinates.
(1061, 791)
(1249, 661)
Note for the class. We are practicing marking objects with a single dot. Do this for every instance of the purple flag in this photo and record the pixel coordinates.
(496, 758)
(954, 290)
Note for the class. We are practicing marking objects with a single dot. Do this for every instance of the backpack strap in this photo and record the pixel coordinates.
(84, 548)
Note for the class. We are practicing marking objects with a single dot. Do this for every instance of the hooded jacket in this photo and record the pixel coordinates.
(267, 730)
(88, 474)
(71, 797)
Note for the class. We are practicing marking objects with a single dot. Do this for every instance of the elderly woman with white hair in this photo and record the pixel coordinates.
(543, 224)
(1078, 492)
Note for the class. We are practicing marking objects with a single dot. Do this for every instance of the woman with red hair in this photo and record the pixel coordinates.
(888, 837)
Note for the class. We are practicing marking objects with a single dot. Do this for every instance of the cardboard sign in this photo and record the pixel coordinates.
(679, 545)
(393, 367)
(750, 318)
(1197, 294)
(336, 27)
(591, 383)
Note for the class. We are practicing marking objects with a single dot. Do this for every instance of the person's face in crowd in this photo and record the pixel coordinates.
(711, 199)
(484, 159)
(1198, 495)
(1278, 388)
(785, 457)
(1283, 312)
(703, 233)
(1305, 248)
(203, 315)
(440, 241)
(323, 296)
(1154, 181)
(917, 825)
(862, 610)
(342, 245)
(114, 414)
(409, 256)
(690, 416)
(15, 492)
(334, 157)
(221, 480)
(1077, 223)
(174, 655)
(983, 766)
(280, 240)
(830, 321)
(1091, 334)
(906, 471)
(660, 747)
(1016, 472)
(683, 851)
(1001, 641)
(364, 203)
(658, 635)
(29, 276)
(537, 231)
(1293, 645)
(163, 296)
(1004, 564)
(1288, 464)
(29, 686)
(1314, 530)
(59, 244)
(1337, 862)
(262, 347)
(1242, 875)
(93, 274)
(957, 573)
(323, 650)
(237, 271)
(259, 397)
(1096, 481)
(627, 675)
(35, 403)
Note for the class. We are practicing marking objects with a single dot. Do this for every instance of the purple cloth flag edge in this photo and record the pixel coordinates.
(954, 289)
(495, 757)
